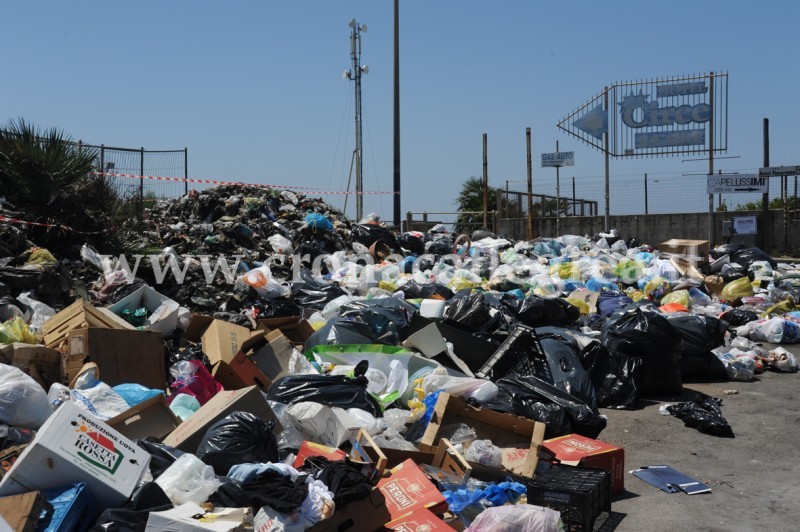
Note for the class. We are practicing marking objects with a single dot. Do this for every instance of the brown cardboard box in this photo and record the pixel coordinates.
(507, 431)
(221, 339)
(122, 356)
(271, 353)
(80, 314)
(190, 433)
(149, 418)
(40, 362)
(693, 250)
(366, 514)
(295, 328)
(21, 512)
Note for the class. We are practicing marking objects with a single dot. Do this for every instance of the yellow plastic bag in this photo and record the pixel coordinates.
(40, 257)
(737, 289)
(566, 270)
(16, 330)
(656, 288)
(635, 295)
(389, 286)
(629, 271)
(583, 306)
(680, 297)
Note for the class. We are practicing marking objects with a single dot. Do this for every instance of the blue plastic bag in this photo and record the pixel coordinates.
(135, 393)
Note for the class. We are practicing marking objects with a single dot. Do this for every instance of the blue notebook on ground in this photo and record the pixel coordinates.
(670, 480)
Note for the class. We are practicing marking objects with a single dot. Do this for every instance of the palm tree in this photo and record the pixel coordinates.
(470, 199)
(39, 167)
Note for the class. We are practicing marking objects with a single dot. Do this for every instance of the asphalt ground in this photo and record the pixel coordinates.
(754, 477)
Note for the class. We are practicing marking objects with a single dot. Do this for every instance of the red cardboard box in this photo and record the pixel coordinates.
(574, 450)
(309, 449)
(419, 520)
(407, 490)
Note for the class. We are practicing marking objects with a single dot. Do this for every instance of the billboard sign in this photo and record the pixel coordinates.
(558, 159)
(663, 116)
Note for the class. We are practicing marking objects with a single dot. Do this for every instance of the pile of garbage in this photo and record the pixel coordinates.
(338, 365)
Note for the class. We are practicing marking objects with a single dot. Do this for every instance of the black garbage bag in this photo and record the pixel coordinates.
(611, 301)
(535, 311)
(415, 290)
(726, 249)
(471, 312)
(700, 334)
(133, 516)
(787, 289)
(368, 234)
(343, 331)
(736, 317)
(329, 390)
(704, 414)
(440, 246)
(238, 438)
(639, 332)
(747, 256)
(311, 293)
(161, 456)
(615, 376)
(388, 317)
(731, 274)
(412, 243)
(533, 398)
(281, 307)
(564, 365)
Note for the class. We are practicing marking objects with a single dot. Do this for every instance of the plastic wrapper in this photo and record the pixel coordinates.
(774, 330)
(191, 377)
(161, 456)
(629, 271)
(477, 390)
(238, 438)
(485, 453)
(533, 398)
(367, 421)
(280, 244)
(135, 393)
(739, 367)
(184, 405)
(782, 360)
(655, 287)
(517, 518)
(262, 281)
(23, 403)
(40, 312)
(188, 480)
(681, 297)
(704, 414)
(339, 391)
(471, 501)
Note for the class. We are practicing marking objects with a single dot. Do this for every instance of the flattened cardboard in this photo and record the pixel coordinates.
(574, 449)
(506, 431)
(182, 519)
(123, 356)
(75, 446)
(407, 489)
(21, 512)
(189, 434)
(149, 418)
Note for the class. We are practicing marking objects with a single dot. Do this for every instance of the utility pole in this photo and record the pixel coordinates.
(530, 184)
(485, 186)
(355, 75)
(396, 115)
(765, 222)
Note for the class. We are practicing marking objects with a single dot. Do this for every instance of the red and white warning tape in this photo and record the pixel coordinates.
(42, 224)
(309, 190)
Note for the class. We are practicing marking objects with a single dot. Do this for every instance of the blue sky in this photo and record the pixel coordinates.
(254, 89)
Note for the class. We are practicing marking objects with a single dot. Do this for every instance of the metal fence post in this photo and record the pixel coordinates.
(141, 183)
(186, 170)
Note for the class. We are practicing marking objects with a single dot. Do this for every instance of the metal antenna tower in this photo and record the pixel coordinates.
(355, 75)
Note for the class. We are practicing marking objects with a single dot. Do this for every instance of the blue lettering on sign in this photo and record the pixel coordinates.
(663, 139)
(681, 89)
(651, 115)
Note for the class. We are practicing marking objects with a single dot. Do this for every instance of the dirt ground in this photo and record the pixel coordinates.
(753, 477)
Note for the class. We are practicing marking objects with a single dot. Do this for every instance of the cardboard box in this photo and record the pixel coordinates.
(189, 434)
(222, 340)
(358, 454)
(40, 362)
(272, 353)
(323, 424)
(507, 431)
(21, 512)
(79, 315)
(574, 450)
(370, 513)
(149, 418)
(407, 489)
(131, 356)
(419, 520)
(75, 446)
(183, 519)
(295, 328)
(694, 250)
(430, 338)
(163, 310)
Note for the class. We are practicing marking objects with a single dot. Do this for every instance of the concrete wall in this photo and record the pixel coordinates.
(656, 228)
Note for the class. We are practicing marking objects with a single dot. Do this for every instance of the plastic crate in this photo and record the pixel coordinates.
(581, 494)
(520, 354)
(73, 510)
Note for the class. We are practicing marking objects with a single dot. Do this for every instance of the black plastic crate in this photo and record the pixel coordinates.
(581, 494)
(520, 354)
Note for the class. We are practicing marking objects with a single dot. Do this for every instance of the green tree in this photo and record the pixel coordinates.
(470, 202)
(775, 203)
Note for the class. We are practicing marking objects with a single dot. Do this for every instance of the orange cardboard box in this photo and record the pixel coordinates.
(574, 450)
(407, 489)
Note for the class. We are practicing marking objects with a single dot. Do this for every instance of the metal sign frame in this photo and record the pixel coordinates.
(675, 115)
